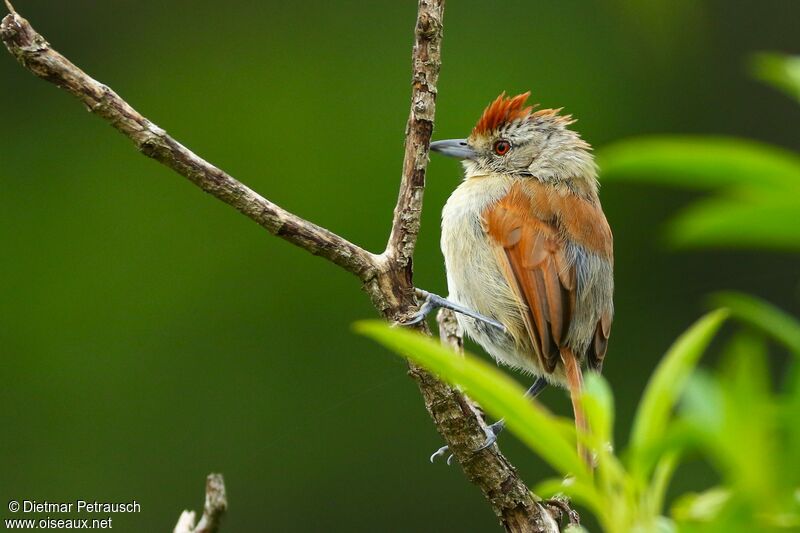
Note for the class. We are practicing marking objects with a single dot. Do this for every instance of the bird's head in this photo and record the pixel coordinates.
(513, 139)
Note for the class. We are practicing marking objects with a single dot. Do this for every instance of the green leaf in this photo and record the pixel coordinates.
(701, 507)
(788, 419)
(779, 70)
(698, 162)
(662, 475)
(733, 416)
(598, 402)
(744, 367)
(497, 393)
(748, 446)
(701, 407)
(579, 492)
(681, 436)
(729, 223)
(762, 315)
(667, 383)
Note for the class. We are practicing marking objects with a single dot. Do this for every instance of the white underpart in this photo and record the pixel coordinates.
(474, 278)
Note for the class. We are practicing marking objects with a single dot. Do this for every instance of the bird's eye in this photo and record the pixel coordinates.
(502, 147)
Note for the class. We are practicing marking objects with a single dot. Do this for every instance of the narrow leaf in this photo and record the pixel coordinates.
(748, 446)
(497, 393)
(599, 405)
(779, 70)
(697, 162)
(667, 382)
(762, 315)
(701, 507)
(733, 223)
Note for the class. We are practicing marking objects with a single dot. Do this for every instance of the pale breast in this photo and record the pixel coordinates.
(474, 278)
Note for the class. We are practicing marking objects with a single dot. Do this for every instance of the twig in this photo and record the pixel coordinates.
(36, 54)
(427, 62)
(387, 278)
(215, 506)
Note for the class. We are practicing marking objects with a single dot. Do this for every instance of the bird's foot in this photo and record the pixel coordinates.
(432, 302)
(492, 432)
(491, 437)
(427, 307)
(561, 505)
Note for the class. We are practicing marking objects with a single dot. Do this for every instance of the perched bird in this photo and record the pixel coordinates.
(526, 245)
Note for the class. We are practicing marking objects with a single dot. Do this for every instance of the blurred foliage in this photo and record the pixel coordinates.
(763, 316)
(733, 418)
(780, 70)
(757, 186)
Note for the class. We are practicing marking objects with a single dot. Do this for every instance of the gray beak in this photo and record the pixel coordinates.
(457, 148)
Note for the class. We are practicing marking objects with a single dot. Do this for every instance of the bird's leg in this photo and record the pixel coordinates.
(498, 427)
(433, 301)
(495, 429)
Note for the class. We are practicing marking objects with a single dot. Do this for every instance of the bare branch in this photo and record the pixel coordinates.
(215, 506)
(36, 54)
(427, 63)
(387, 277)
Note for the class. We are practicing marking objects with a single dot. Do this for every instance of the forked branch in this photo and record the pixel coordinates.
(387, 278)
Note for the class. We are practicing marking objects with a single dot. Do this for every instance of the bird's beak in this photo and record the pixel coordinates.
(458, 148)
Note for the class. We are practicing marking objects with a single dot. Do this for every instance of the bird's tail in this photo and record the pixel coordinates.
(575, 384)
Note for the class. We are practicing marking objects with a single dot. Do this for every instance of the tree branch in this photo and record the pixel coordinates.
(497, 478)
(36, 54)
(427, 63)
(215, 506)
(387, 277)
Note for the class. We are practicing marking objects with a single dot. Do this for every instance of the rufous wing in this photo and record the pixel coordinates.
(529, 237)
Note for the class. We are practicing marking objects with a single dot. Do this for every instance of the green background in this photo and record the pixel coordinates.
(150, 334)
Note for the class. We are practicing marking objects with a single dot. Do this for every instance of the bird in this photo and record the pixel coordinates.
(527, 248)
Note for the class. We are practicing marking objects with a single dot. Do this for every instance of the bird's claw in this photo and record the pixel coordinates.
(440, 453)
(491, 437)
(491, 434)
(424, 310)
